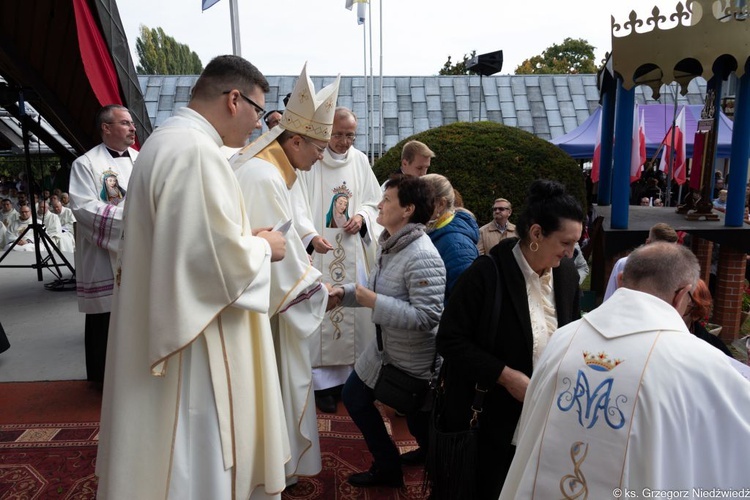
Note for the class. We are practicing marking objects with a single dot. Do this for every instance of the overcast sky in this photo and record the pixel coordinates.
(278, 36)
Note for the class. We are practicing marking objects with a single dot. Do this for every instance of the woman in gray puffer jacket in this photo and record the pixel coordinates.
(405, 292)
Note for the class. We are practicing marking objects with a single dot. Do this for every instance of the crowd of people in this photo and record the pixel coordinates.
(650, 190)
(52, 214)
(247, 284)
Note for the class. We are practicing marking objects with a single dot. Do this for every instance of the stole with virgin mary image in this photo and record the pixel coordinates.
(111, 191)
(338, 212)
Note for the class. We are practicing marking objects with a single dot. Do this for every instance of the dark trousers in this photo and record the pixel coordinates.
(96, 333)
(4, 343)
(359, 401)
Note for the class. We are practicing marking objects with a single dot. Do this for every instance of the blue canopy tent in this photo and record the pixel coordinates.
(580, 142)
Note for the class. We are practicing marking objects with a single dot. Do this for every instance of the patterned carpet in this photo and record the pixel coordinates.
(40, 461)
(48, 461)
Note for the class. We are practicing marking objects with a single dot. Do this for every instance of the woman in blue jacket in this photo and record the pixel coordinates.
(453, 231)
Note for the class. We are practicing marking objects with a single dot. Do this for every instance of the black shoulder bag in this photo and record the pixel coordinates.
(396, 388)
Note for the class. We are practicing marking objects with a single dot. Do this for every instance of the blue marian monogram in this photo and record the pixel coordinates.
(592, 405)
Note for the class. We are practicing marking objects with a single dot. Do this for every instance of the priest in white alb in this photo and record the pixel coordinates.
(267, 172)
(627, 403)
(343, 195)
(99, 226)
(192, 405)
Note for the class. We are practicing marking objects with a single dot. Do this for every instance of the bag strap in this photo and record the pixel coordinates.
(479, 391)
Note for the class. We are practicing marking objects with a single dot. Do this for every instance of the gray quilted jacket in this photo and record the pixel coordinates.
(410, 286)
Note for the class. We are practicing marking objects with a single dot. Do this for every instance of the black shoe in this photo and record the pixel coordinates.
(414, 457)
(375, 477)
(326, 404)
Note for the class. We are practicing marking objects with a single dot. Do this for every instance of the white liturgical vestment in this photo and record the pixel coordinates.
(99, 224)
(627, 400)
(298, 299)
(338, 188)
(192, 405)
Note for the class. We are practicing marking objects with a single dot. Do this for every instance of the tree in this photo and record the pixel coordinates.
(159, 54)
(459, 68)
(571, 56)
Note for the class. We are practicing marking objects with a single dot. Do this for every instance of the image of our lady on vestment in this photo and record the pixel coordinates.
(333, 201)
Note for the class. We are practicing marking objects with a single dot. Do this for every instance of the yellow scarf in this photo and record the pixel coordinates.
(442, 221)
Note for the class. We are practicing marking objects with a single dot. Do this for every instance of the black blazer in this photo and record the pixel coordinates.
(472, 353)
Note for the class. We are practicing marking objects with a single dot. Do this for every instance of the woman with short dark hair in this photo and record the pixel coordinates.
(539, 293)
(405, 292)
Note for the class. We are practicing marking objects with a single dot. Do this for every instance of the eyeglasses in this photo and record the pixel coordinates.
(500, 209)
(124, 123)
(321, 149)
(258, 109)
(348, 137)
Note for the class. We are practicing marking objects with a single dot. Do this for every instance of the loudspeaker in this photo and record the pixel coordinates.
(486, 64)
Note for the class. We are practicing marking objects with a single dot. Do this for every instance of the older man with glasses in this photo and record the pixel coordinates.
(492, 233)
(342, 178)
(17, 227)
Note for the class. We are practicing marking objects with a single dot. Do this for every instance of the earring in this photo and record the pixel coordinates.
(533, 246)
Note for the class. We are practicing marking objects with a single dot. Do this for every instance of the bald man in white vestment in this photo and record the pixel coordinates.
(627, 403)
(192, 405)
(17, 227)
(343, 194)
(51, 223)
(67, 224)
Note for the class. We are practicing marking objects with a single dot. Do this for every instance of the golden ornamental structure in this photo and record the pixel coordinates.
(680, 45)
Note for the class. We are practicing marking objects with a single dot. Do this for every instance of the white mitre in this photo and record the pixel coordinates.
(306, 113)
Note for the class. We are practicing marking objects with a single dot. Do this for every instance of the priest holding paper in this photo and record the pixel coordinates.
(192, 405)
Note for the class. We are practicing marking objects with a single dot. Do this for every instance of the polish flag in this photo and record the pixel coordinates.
(680, 166)
(638, 145)
(596, 160)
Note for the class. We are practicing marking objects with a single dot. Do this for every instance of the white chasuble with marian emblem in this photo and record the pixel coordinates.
(592, 414)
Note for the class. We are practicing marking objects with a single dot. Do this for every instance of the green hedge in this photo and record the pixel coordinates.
(486, 160)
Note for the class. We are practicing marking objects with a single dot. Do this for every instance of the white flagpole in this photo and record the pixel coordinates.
(372, 87)
(367, 98)
(235, 22)
(380, 147)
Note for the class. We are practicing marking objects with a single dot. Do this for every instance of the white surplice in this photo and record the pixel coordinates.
(16, 227)
(345, 332)
(99, 225)
(67, 237)
(297, 300)
(53, 228)
(192, 405)
(627, 398)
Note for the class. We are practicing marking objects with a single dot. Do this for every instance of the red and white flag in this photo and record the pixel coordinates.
(596, 160)
(637, 145)
(678, 160)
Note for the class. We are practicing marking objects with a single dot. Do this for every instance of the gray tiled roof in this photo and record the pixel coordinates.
(548, 106)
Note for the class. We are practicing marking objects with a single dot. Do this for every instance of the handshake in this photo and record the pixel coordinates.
(363, 295)
(335, 295)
